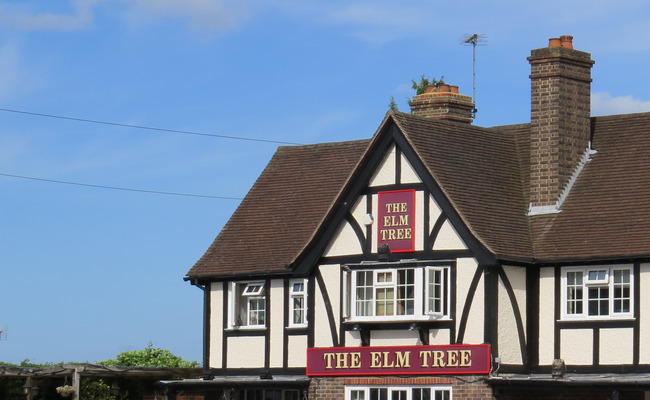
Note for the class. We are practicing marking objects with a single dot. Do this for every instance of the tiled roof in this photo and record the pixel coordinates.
(282, 211)
(483, 172)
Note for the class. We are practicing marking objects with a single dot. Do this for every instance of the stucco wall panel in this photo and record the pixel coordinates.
(616, 346)
(393, 337)
(385, 173)
(466, 267)
(576, 346)
(448, 239)
(216, 324)
(509, 344)
(644, 314)
(345, 242)
(276, 323)
(245, 352)
(297, 351)
(331, 274)
(408, 173)
(546, 315)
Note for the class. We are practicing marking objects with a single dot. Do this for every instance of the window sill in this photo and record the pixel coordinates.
(246, 328)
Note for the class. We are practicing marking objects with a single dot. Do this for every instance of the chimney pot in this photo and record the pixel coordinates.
(566, 41)
(554, 42)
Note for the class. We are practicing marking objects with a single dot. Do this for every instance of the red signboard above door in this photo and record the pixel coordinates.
(402, 360)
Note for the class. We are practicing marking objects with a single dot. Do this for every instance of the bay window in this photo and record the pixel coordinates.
(408, 293)
(597, 292)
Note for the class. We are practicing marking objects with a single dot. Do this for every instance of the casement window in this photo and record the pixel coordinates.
(248, 304)
(397, 293)
(598, 292)
(298, 303)
(398, 393)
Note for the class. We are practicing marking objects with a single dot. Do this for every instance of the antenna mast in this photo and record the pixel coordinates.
(474, 40)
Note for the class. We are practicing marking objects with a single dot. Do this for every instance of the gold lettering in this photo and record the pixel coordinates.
(424, 356)
(438, 359)
(375, 359)
(452, 358)
(386, 359)
(402, 359)
(465, 358)
(355, 360)
(328, 360)
(402, 207)
(341, 360)
(403, 220)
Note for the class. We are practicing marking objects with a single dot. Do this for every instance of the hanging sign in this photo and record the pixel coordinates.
(396, 220)
(402, 360)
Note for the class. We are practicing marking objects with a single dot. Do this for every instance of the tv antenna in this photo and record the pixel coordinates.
(475, 39)
(3, 333)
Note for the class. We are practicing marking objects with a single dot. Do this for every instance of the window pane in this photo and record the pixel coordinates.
(597, 275)
(291, 395)
(622, 296)
(421, 394)
(442, 395)
(363, 293)
(436, 291)
(385, 301)
(298, 310)
(357, 395)
(574, 293)
(406, 292)
(398, 395)
(378, 394)
(598, 300)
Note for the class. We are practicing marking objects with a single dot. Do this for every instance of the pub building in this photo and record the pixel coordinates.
(440, 260)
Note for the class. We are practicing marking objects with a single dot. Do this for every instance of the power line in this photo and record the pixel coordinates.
(120, 188)
(151, 128)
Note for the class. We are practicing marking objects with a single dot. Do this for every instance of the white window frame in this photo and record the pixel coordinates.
(581, 292)
(352, 391)
(294, 295)
(357, 293)
(242, 297)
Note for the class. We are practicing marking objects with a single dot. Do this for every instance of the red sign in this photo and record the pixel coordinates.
(396, 225)
(403, 360)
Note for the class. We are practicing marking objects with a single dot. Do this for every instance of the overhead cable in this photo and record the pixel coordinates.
(120, 188)
(151, 128)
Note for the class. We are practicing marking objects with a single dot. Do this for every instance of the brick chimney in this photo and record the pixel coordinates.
(560, 121)
(443, 102)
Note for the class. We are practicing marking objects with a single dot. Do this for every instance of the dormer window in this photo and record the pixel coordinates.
(248, 305)
(408, 293)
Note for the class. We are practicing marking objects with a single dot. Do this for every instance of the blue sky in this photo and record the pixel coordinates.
(87, 272)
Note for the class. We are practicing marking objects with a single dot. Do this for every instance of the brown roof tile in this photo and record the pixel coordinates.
(483, 172)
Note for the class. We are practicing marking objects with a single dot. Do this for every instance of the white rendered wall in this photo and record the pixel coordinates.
(322, 331)
(509, 348)
(576, 346)
(297, 351)
(466, 267)
(245, 352)
(276, 323)
(216, 323)
(385, 173)
(394, 338)
(408, 174)
(616, 346)
(644, 314)
(546, 315)
(448, 239)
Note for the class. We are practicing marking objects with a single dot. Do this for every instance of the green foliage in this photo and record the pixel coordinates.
(420, 86)
(96, 389)
(150, 357)
(392, 105)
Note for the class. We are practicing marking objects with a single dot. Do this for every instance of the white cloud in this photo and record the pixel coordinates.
(603, 103)
(204, 16)
(22, 17)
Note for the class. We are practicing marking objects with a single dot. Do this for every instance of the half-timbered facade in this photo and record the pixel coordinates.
(441, 260)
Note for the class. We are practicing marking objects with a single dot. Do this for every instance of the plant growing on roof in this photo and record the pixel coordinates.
(421, 86)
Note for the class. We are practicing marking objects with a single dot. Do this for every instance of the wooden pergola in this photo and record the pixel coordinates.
(75, 372)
